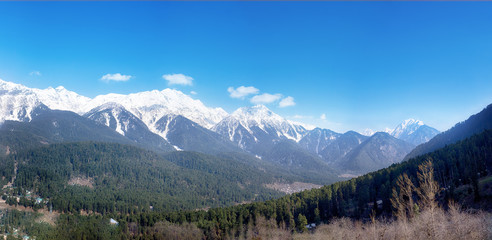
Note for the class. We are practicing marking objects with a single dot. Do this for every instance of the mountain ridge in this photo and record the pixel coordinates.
(473, 125)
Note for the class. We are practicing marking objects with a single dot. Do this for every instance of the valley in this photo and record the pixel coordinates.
(113, 162)
(245, 120)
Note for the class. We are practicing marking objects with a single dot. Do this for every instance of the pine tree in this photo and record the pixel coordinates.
(301, 223)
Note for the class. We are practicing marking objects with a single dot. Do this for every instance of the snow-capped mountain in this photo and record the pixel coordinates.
(169, 120)
(185, 134)
(318, 139)
(257, 124)
(414, 131)
(62, 99)
(150, 106)
(368, 132)
(388, 130)
(407, 127)
(261, 132)
(17, 102)
(261, 117)
(125, 123)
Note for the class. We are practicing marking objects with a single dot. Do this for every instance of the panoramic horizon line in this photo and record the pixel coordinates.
(305, 125)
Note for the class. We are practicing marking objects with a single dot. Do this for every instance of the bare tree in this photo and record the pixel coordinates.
(402, 201)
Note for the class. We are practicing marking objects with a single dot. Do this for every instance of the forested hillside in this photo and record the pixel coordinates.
(473, 125)
(113, 178)
(457, 168)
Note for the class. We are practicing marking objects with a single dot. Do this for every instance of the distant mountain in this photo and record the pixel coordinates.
(51, 126)
(345, 143)
(256, 129)
(125, 123)
(290, 156)
(368, 132)
(473, 125)
(170, 120)
(134, 116)
(379, 151)
(187, 135)
(150, 106)
(422, 135)
(16, 102)
(414, 132)
(318, 139)
(273, 139)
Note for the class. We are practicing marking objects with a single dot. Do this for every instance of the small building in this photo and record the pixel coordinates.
(113, 222)
(39, 200)
(311, 226)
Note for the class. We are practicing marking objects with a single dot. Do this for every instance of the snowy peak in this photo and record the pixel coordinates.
(106, 106)
(368, 132)
(10, 87)
(263, 118)
(17, 100)
(317, 139)
(414, 131)
(257, 114)
(62, 99)
(257, 128)
(116, 117)
(407, 127)
(150, 106)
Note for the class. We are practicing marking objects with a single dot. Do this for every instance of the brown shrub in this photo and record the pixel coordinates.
(451, 225)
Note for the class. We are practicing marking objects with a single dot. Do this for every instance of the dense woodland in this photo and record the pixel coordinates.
(127, 180)
(457, 169)
(461, 169)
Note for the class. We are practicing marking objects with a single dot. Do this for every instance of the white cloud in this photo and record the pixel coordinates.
(242, 91)
(178, 79)
(117, 77)
(35, 73)
(323, 116)
(193, 93)
(287, 102)
(265, 98)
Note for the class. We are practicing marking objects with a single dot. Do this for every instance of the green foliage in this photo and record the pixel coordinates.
(83, 227)
(455, 165)
(473, 125)
(301, 223)
(128, 180)
(120, 171)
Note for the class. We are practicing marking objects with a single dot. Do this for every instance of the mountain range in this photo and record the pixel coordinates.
(169, 120)
(475, 124)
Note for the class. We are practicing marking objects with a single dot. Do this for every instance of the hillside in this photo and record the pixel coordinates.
(379, 151)
(105, 178)
(52, 126)
(473, 125)
(456, 167)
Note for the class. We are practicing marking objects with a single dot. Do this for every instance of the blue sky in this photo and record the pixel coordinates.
(360, 64)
